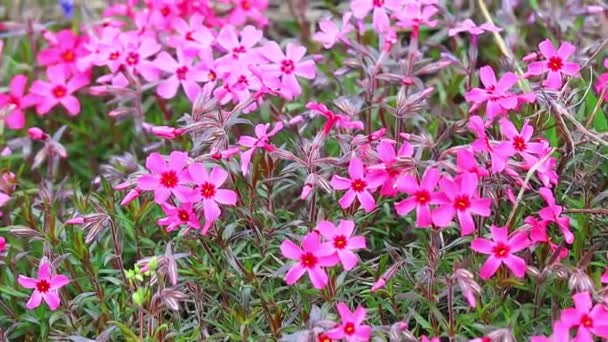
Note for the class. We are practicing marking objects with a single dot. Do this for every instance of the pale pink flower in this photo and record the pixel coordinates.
(262, 140)
(417, 14)
(333, 119)
(248, 10)
(351, 327)
(555, 63)
(380, 18)
(58, 90)
(46, 286)
(553, 213)
(192, 36)
(359, 185)
(287, 66)
(238, 50)
(138, 50)
(496, 94)
(499, 153)
(311, 259)
(167, 177)
(469, 26)
(341, 241)
(460, 198)
(208, 190)
(177, 216)
(388, 172)
(422, 195)
(16, 98)
(330, 33)
(589, 320)
(501, 250)
(183, 72)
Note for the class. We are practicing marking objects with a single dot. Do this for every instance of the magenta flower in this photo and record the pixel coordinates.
(64, 50)
(351, 327)
(553, 212)
(333, 119)
(601, 85)
(501, 250)
(432, 339)
(262, 140)
(245, 10)
(380, 18)
(422, 195)
(208, 190)
(341, 242)
(177, 216)
(183, 73)
(466, 162)
(167, 177)
(359, 186)
(460, 198)
(137, 53)
(519, 142)
(330, 33)
(469, 26)
(417, 14)
(499, 153)
(561, 333)
(58, 90)
(388, 172)
(45, 285)
(495, 94)
(287, 66)
(555, 63)
(15, 97)
(311, 259)
(588, 319)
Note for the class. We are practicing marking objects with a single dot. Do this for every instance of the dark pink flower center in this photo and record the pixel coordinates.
(168, 179)
(246, 5)
(114, 55)
(14, 101)
(68, 56)
(349, 328)
(133, 58)
(181, 73)
(308, 260)
(207, 190)
(183, 215)
(59, 91)
(519, 143)
(43, 286)
(501, 250)
(378, 3)
(243, 80)
(555, 63)
(165, 11)
(486, 339)
(189, 36)
(323, 338)
(462, 202)
(237, 51)
(340, 242)
(287, 66)
(358, 185)
(586, 321)
(211, 75)
(422, 196)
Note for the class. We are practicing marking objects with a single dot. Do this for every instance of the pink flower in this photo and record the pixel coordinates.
(417, 14)
(208, 190)
(501, 250)
(359, 186)
(238, 50)
(167, 177)
(333, 119)
(555, 63)
(46, 286)
(330, 33)
(341, 242)
(388, 172)
(58, 90)
(193, 36)
(496, 94)
(499, 153)
(552, 213)
(262, 140)
(64, 50)
(177, 216)
(311, 259)
(589, 320)
(460, 197)
(538, 233)
(519, 142)
(16, 98)
(380, 21)
(351, 327)
(287, 66)
(466, 162)
(469, 26)
(422, 195)
(183, 73)
(245, 10)
(432, 339)
(561, 333)
(137, 53)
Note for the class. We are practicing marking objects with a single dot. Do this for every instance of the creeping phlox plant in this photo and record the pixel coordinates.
(250, 170)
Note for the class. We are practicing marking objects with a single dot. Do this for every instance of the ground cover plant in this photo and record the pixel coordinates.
(304, 170)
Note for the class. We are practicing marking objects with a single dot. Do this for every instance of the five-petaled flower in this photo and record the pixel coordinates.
(359, 185)
(167, 177)
(341, 242)
(501, 250)
(46, 286)
(589, 320)
(422, 195)
(312, 258)
(555, 63)
(351, 327)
